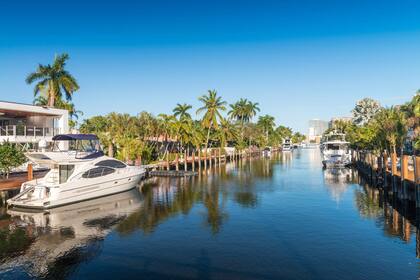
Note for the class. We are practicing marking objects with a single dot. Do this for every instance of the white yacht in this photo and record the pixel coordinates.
(335, 151)
(78, 171)
(287, 145)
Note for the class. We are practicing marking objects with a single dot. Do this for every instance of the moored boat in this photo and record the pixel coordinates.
(335, 151)
(78, 171)
(287, 145)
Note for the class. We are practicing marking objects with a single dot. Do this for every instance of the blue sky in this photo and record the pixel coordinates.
(298, 59)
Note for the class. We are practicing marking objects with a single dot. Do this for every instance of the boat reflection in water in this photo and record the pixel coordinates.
(66, 235)
(338, 180)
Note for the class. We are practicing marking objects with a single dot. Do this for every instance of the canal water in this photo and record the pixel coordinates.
(270, 218)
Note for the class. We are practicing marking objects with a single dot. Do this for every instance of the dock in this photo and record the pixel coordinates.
(171, 173)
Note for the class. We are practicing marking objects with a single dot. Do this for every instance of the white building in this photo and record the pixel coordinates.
(29, 125)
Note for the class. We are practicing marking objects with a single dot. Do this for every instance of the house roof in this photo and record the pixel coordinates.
(23, 110)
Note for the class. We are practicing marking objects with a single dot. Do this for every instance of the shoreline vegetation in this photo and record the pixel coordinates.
(382, 130)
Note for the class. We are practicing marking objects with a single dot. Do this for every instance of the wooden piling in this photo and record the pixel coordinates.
(199, 158)
(193, 160)
(30, 172)
(185, 161)
(416, 161)
(404, 172)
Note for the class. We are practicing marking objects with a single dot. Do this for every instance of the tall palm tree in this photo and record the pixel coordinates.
(267, 123)
(181, 111)
(55, 79)
(212, 105)
(243, 111)
(252, 109)
(392, 127)
(227, 132)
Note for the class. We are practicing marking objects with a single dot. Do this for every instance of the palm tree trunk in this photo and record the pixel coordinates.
(193, 160)
(207, 145)
(199, 158)
(51, 95)
(110, 150)
(185, 160)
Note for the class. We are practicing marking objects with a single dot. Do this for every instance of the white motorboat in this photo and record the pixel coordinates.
(287, 145)
(79, 171)
(335, 151)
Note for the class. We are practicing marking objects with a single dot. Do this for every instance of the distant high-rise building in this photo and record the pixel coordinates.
(316, 129)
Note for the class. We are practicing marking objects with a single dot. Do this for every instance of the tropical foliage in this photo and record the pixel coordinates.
(52, 82)
(170, 136)
(378, 129)
(10, 157)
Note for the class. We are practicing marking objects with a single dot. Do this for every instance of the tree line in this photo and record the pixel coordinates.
(218, 125)
(153, 137)
(380, 129)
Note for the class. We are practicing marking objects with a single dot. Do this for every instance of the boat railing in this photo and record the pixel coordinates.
(22, 193)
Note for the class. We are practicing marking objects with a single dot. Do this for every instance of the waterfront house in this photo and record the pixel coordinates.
(31, 126)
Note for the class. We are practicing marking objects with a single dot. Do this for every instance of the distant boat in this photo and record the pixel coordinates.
(287, 145)
(266, 152)
(78, 173)
(335, 151)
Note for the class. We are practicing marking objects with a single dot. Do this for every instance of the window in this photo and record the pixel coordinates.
(65, 172)
(111, 163)
(98, 172)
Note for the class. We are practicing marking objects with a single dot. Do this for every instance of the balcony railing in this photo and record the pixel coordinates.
(28, 131)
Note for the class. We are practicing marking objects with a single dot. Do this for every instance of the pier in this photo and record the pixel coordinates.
(399, 174)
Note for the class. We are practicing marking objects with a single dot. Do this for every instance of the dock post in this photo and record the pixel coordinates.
(210, 159)
(220, 156)
(167, 162)
(393, 172)
(177, 161)
(30, 172)
(205, 159)
(384, 169)
(416, 161)
(193, 160)
(185, 160)
(199, 159)
(404, 173)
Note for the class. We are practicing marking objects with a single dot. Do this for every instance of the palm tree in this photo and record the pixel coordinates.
(55, 79)
(212, 105)
(252, 109)
(181, 110)
(392, 126)
(243, 111)
(227, 132)
(267, 124)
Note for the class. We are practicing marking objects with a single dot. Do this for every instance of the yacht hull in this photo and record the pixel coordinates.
(81, 192)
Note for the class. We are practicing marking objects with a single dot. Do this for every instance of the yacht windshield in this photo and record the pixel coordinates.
(82, 148)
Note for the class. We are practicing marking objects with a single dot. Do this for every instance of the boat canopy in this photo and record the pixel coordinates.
(69, 137)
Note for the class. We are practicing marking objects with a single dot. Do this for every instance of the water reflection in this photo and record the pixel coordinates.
(338, 180)
(167, 197)
(262, 203)
(397, 218)
(52, 243)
